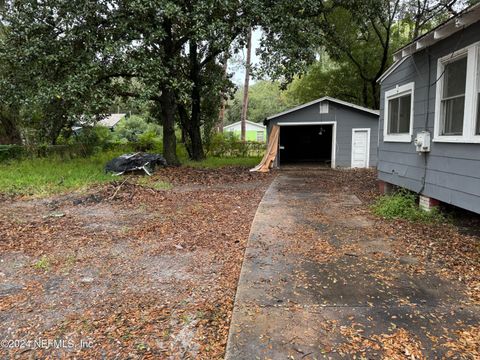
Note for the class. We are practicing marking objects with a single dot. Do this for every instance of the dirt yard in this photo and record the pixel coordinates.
(129, 271)
(126, 271)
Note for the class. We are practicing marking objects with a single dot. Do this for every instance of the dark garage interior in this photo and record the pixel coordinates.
(306, 144)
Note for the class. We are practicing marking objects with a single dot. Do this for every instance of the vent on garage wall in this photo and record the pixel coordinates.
(324, 107)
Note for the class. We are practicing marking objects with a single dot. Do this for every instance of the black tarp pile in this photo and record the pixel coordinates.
(135, 162)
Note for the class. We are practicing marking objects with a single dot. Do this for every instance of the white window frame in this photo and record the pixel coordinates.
(476, 96)
(398, 91)
(354, 130)
(471, 90)
(324, 108)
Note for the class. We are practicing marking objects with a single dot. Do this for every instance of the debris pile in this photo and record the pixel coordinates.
(135, 162)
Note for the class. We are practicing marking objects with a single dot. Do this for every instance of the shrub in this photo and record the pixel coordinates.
(131, 128)
(148, 141)
(94, 139)
(403, 205)
(228, 145)
(8, 152)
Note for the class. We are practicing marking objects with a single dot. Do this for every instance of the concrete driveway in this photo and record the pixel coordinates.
(317, 283)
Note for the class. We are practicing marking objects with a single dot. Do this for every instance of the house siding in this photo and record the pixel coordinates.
(346, 118)
(451, 170)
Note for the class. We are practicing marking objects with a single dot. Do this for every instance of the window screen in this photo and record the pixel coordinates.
(477, 129)
(453, 97)
(399, 111)
(477, 118)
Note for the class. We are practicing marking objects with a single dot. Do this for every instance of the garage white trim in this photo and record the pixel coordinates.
(367, 144)
(325, 98)
(334, 133)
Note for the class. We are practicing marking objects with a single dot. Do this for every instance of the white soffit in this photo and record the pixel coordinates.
(456, 23)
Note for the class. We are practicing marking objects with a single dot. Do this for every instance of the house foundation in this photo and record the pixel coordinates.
(385, 188)
(427, 203)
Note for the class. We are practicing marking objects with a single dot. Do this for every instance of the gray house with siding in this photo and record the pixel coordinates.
(327, 131)
(430, 114)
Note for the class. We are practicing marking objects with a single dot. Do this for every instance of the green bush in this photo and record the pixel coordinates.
(93, 139)
(8, 152)
(228, 145)
(403, 205)
(131, 128)
(148, 141)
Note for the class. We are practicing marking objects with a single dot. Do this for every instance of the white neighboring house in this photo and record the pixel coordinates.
(254, 131)
(110, 121)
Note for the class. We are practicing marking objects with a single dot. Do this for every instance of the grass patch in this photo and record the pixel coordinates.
(403, 205)
(218, 162)
(45, 176)
(42, 264)
(154, 184)
(52, 175)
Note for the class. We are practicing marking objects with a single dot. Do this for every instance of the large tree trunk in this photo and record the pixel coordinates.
(9, 132)
(192, 123)
(193, 140)
(167, 104)
(184, 123)
(243, 118)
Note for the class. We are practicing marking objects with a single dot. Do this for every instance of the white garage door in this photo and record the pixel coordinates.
(360, 148)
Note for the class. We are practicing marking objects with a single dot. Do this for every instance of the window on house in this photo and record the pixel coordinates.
(453, 97)
(398, 113)
(477, 130)
(324, 107)
(259, 136)
(457, 104)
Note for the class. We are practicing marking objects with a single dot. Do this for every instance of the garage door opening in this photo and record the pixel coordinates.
(309, 144)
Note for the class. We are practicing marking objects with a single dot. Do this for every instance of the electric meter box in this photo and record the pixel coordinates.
(422, 141)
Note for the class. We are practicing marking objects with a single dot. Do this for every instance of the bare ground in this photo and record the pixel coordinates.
(135, 272)
(125, 270)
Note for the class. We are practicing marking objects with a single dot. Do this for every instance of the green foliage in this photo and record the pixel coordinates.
(44, 176)
(42, 264)
(155, 184)
(130, 128)
(357, 36)
(148, 141)
(326, 78)
(93, 139)
(264, 99)
(228, 145)
(403, 205)
(143, 135)
(10, 152)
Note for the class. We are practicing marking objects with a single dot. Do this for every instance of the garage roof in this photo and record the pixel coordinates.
(325, 98)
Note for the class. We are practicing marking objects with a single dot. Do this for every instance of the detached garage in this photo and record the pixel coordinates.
(327, 132)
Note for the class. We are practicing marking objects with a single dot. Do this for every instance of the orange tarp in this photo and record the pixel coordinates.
(272, 148)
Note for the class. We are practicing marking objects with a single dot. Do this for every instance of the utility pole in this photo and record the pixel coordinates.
(245, 85)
